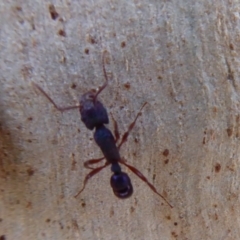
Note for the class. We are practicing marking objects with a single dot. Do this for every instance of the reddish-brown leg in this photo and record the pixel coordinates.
(140, 175)
(61, 109)
(91, 174)
(125, 135)
(92, 161)
(116, 132)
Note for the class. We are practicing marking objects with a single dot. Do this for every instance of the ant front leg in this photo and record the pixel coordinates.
(91, 174)
(125, 135)
(91, 162)
(143, 178)
(61, 109)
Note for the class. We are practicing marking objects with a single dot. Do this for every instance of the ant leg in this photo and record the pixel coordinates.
(140, 175)
(61, 109)
(91, 174)
(125, 135)
(105, 75)
(116, 132)
(92, 161)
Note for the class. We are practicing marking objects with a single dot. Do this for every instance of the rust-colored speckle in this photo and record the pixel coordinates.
(217, 168)
(127, 85)
(83, 204)
(86, 51)
(62, 33)
(214, 109)
(175, 223)
(231, 46)
(61, 225)
(123, 44)
(73, 86)
(26, 71)
(174, 234)
(48, 220)
(29, 205)
(168, 217)
(230, 168)
(73, 164)
(204, 140)
(111, 212)
(91, 39)
(165, 152)
(30, 171)
(237, 118)
(132, 209)
(30, 119)
(75, 224)
(154, 176)
(53, 12)
(208, 177)
(166, 161)
(229, 132)
(18, 8)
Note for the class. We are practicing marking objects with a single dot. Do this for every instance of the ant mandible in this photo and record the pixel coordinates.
(94, 115)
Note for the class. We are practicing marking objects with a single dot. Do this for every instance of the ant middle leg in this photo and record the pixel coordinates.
(61, 109)
(125, 135)
(143, 178)
(91, 162)
(91, 174)
(116, 131)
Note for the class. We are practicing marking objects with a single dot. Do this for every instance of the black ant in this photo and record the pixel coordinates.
(94, 115)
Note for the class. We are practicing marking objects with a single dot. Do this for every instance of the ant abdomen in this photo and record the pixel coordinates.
(121, 185)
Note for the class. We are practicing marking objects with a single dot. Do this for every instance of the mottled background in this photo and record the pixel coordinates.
(180, 56)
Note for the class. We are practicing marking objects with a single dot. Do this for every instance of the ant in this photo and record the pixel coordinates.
(94, 115)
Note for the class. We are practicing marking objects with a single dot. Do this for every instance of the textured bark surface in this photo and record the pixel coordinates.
(182, 57)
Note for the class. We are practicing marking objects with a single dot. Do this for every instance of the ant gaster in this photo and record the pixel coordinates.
(94, 115)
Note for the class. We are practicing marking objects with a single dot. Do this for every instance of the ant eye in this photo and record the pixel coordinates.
(121, 185)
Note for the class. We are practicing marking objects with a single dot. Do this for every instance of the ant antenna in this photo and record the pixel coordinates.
(105, 75)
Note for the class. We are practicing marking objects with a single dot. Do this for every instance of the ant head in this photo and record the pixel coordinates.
(121, 185)
(92, 111)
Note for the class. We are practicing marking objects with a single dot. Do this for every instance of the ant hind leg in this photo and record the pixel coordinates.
(143, 178)
(116, 131)
(91, 174)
